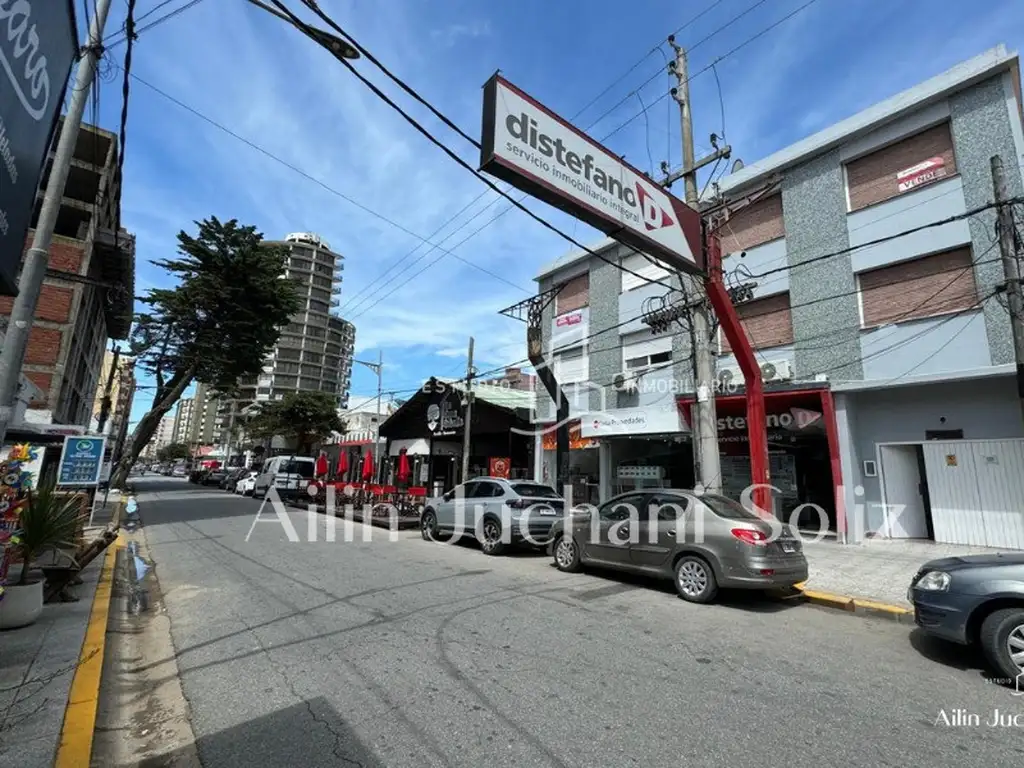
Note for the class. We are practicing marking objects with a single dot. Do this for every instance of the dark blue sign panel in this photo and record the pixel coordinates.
(38, 44)
(81, 461)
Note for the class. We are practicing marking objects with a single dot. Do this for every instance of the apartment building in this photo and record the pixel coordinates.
(314, 353)
(119, 371)
(196, 418)
(89, 292)
(887, 357)
(163, 437)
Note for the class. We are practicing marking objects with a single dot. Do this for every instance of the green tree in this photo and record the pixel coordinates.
(172, 452)
(305, 417)
(215, 326)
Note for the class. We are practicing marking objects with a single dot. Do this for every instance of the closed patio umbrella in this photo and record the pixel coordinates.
(368, 468)
(403, 467)
(342, 464)
(322, 465)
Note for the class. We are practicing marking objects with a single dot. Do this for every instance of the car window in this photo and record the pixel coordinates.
(727, 508)
(300, 468)
(485, 490)
(669, 507)
(535, 491)
(623, 507)
(466, 490)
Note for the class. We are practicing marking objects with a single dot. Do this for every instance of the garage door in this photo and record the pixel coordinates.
(976, 489)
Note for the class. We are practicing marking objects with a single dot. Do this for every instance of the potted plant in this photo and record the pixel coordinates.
(49, 522)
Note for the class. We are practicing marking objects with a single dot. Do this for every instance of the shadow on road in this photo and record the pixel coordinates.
(966, 658)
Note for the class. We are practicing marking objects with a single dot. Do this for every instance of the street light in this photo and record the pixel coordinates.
(332, 43)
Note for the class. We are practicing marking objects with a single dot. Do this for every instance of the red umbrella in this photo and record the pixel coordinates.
(342, 462)
(368, 467)
(403, 467)
(322, 466)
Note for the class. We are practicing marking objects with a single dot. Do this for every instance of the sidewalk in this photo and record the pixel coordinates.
(878, 570)
(37, 665)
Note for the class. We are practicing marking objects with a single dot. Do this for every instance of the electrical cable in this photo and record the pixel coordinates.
(121, 36)
(647, 135)
(129, 27)
(451, 153)
(745, 43)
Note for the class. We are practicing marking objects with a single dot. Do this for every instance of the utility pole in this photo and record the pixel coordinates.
(376, 434)
(1011, 269)
(231, 427)
(705, 423)
(468, 421)
(105, 404)
(33, 270)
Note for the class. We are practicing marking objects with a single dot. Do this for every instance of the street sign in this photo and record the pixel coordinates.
(38, 43)
(81, 460)
(532, 148)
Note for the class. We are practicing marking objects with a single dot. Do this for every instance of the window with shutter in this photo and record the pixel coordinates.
(768, 322)
(925, 287)
(575, 294)
(901, 167)
(571, 366)
(642, 269)
(753, 225)
(644, 352)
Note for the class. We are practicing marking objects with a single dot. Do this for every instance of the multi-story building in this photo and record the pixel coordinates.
(163, 437)
(870, 270)
(195, 421)
(513, 378)
(89, 291)
(314, 353)
(121, 377)
(184, 415)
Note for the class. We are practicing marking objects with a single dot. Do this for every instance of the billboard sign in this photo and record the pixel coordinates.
(542, 154)
(38, 44)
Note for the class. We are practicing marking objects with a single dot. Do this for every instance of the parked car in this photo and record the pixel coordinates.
(486, 506)
(245, 484)
(232, 477)
(179, 471)
(289, 475)
(214, 476)
(703, 542)
(976, 600)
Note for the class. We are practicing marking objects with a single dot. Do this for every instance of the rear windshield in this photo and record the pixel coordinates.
(727, 508)
(300, 468)
(535, 491)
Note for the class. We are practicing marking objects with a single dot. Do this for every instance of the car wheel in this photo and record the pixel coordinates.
(490, 537)
(1002, 640)
(428, 526)
(695, 581)
(567, 555)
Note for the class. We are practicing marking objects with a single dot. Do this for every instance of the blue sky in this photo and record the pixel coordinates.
(254, 75)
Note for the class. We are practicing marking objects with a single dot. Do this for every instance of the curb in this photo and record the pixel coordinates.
(858, 606)
(75, 747)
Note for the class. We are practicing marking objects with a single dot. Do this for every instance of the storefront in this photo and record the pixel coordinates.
(584, 461)
(803, 452)
(641, 447)
(429, 429)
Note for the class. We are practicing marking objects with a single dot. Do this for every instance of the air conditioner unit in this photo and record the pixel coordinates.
(728, 376)
(777, 370)
(625, 382)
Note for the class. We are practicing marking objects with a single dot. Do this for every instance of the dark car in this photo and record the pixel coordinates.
(703, 542)
(231, 478)
(976, 600)
(215, 476)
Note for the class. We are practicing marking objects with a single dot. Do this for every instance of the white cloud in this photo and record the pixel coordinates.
(450, 35)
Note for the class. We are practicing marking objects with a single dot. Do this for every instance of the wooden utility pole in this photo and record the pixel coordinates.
(1011, 268)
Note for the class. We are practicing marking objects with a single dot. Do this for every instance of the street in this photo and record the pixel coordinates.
(410, 653)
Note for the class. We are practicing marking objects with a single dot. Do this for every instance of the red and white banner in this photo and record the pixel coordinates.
(932, 169)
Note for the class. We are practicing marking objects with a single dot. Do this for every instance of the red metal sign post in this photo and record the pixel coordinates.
(730, 322)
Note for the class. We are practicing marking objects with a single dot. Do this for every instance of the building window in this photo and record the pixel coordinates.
(768, 322)
(575, 294)
(755, 224)
(642, 270)
(640, 351)
(921, 159)
(571, 366)
(319, 306)
(925, 287)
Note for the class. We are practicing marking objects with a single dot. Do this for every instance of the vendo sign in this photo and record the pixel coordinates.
(537, 151)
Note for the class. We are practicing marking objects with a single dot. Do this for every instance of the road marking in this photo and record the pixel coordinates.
(75, 748)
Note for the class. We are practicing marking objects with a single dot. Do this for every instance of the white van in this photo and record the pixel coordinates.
(290, 475)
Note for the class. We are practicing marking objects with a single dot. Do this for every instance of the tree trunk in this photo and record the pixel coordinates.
(147, 427)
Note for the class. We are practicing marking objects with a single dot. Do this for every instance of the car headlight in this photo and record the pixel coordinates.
(933, 581)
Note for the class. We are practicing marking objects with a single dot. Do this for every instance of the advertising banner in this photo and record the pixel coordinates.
(20, 466)
(38, 43)
(535, 150)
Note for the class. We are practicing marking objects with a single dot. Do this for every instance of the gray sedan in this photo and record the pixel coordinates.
(976, 600)
(703, 542)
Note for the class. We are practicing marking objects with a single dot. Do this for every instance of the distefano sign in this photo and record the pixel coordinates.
(533, 149)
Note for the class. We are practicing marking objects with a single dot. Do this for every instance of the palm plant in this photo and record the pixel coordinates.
(48, 521)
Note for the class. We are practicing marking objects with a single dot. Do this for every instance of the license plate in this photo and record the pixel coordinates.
(547, 511)
(788, 547)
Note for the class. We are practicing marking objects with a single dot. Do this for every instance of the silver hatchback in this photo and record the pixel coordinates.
(703, 542)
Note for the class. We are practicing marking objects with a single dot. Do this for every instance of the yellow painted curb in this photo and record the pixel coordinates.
(853, 604)
(871, 605)
(75, 748)
(826, 598)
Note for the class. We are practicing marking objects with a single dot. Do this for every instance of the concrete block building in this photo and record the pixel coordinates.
(887, 357)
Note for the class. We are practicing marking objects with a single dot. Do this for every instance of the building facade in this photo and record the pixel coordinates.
(512, 378)
(867, 271)
(196, 419)
(163, 437)
(89, 292)
(314, 353)
(121, 376)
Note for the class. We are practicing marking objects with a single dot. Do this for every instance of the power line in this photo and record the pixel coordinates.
(124, 31)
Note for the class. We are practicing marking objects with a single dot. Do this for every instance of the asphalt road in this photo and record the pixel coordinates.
(409, 653)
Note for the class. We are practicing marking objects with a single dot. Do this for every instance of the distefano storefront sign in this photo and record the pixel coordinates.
(631, 421)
